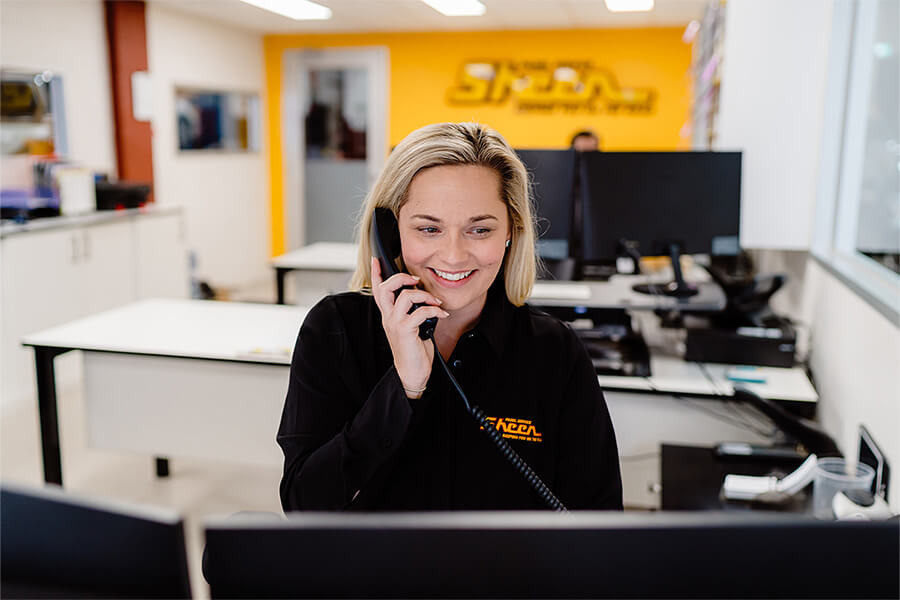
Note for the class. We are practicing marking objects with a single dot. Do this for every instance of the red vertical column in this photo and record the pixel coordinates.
(126, 33)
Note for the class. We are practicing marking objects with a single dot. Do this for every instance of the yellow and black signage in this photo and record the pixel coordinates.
(543, 86)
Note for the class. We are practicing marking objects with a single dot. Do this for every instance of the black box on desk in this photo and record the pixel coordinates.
(764, 346)
(121, 195)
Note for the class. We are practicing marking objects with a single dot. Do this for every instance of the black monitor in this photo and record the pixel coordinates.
(661, 203)
(58, 545)
(551, 555)
(552, 174)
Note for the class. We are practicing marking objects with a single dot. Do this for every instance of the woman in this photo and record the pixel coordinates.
(370, 422)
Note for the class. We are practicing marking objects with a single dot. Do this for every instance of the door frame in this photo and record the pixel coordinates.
(295, 96)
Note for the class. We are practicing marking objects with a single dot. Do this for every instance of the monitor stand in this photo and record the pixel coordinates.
(678, 288)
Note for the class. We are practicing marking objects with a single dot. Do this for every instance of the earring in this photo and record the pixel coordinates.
(507, 243)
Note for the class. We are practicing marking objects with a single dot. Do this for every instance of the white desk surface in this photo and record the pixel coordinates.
(673, 375)
(321, 256)
(185, 328)
(618, 293)
(266, 333)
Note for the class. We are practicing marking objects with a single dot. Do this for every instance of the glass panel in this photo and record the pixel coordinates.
(26, 113)
(217, 120)
(878, 230)
(336, 117)
(335, 123)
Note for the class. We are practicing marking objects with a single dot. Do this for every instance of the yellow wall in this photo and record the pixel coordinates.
(425, 67)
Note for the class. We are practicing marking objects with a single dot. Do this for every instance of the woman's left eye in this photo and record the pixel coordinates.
(481, 230)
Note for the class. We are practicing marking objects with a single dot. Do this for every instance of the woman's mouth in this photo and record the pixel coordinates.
(451, 278)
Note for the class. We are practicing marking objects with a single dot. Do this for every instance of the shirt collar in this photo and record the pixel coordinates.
(496, 318)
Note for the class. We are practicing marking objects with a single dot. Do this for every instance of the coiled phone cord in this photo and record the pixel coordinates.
(506, 450)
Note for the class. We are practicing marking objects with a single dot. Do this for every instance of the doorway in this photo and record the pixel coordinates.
(335, 139)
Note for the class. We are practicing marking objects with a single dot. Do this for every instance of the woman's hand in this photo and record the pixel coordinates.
(413, 356)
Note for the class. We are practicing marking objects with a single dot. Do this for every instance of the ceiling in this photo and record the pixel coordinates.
(413, 15)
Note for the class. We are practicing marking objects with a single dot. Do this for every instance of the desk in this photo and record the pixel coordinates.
(692, 479)
(617, 293)
(174, 377)
(322, 256)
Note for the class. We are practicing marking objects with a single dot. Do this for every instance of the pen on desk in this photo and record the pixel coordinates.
(745, 374)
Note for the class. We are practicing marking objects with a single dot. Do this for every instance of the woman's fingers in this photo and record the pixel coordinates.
(418, 316)
(407, 298)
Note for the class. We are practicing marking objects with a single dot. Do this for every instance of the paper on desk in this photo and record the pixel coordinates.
(561, 292)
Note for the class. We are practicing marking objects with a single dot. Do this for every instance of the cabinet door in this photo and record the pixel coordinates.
(107, 274)
(38, 290)
(161, 257)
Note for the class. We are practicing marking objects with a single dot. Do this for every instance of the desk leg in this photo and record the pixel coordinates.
(162, 466)
(279, 283)
(47, 407)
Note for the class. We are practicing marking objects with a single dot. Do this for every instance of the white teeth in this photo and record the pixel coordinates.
(453, 276)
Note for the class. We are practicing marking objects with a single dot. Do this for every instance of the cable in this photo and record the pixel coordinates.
(729, 419)
(749, 422)
(502, 445)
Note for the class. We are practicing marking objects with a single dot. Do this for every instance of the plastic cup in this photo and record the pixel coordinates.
(833, 475)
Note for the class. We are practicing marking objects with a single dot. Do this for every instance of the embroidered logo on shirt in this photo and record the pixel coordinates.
(516, 429)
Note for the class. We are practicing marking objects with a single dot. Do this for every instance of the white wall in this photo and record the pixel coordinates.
(856, 362)
(67, 37)
(775, 107)
(773, 82)
(224, 195)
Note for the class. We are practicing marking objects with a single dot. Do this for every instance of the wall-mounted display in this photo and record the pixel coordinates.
(217, 120)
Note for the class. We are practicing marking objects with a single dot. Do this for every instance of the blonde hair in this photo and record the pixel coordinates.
(456, 144)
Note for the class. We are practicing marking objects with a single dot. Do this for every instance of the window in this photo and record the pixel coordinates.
(858, 221)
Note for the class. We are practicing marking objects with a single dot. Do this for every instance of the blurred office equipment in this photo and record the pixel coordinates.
(661, 203)
(747, 330)
(59, 545)
(120, 195)
(552, 178)
(531, 555)
(31, 112)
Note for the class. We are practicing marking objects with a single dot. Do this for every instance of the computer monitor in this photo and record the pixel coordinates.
(552, 174)
(56, 544)
(661, 203)
(544, 555)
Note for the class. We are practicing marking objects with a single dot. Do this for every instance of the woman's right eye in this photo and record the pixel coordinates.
(428, 230)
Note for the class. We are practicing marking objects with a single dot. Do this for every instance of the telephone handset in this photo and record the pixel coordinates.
(386, 246)
(385, 238)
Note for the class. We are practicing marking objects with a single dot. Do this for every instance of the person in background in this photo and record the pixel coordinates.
(372, 422)
(585, 141)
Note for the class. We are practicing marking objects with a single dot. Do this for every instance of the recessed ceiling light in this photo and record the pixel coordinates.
(457, 8)
(629, 5)
(299, 10)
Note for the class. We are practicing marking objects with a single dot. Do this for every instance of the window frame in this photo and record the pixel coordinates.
(842, 156)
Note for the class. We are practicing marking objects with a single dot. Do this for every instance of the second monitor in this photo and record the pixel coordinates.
(661, 203)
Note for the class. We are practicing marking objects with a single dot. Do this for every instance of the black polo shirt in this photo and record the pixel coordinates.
(352, 440)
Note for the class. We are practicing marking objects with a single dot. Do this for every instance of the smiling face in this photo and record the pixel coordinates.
(453, 229)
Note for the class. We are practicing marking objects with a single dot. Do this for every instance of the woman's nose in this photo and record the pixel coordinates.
(455, 250)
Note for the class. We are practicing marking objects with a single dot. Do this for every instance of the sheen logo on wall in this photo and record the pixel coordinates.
(540, 86)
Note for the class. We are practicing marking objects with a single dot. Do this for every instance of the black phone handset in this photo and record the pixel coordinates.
(386, 246)
(385, 238)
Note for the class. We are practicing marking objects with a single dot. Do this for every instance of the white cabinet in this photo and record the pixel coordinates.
(161, 258)
(55, 274)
